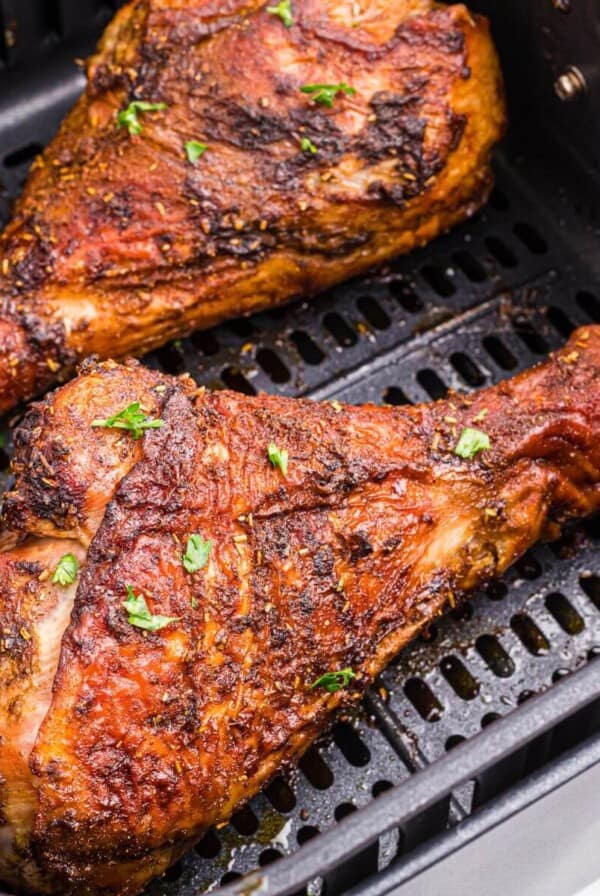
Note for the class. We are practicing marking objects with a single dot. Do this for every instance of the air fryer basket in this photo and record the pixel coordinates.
(487, 300)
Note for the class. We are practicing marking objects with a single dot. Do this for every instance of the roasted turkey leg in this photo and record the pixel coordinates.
(123, 240)
(119, 746)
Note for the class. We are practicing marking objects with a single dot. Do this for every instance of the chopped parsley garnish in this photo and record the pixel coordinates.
(194, 150)
(131, 418)
(306, 145)
(197, 552)
(284, 11)
(471, 442)
(334, 681)
(128, 118)
(66, 570)
(139, 615)
(326, 93)
(278, 457)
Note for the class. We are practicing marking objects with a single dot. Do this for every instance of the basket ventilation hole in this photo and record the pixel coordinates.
(529, 335)
(268, 856)
(501, 252)
(490, 717)
(423, 699)
(528, 567)
(453, 741)
(530, 238)
(496, 591)
(499, 200)
(590, 304)
(459, 678)
(467, 369)
(171, 359)
(279, 312)
(429, 634)
(23, 155)
(439, 280)
(272, 364)
(340, 330)
(431, 382)
(280, 795)
(470, 266)
(343, 810)
(173, 873)
(241, 326)
(567, 545)
(503, 357)
(495, 656)
(245, 821)
(205, 341)
(591, 586)
(308, 350)
(235, 379)
(373, 312)
(380, 787)
(524, 696)
(559, 320)
(306, 833)
(348, 741)
(529, 634)
(463, 612)
(558, 674)
(406, 296)
(316, 769)
(565, 613)
(209, 847)
(394, 395)
(592, 526)
(230, 876)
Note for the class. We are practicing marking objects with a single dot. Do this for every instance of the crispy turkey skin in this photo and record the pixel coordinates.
(121, 242)
(119, 747)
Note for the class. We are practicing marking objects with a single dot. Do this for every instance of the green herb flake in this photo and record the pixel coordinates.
(129, 117)
(284, 11)
(278, 457)
(194, 151)
(471, 442)
(334, 681)
(306, 145)
(197, 552)
(139, 615)
(326, 93)
(66, 570)
(131, 418)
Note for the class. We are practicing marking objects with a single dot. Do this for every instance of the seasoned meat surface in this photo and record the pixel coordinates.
(121, 745)
(126, 236)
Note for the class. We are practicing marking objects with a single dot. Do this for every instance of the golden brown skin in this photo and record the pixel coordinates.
(119, 243)
(119, 748)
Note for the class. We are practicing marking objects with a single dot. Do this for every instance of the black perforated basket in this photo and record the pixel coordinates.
(506, 683)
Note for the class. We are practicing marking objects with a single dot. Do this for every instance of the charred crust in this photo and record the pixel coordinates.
(323, 562)
(245, 126)
(397, 128)
(359, 546)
